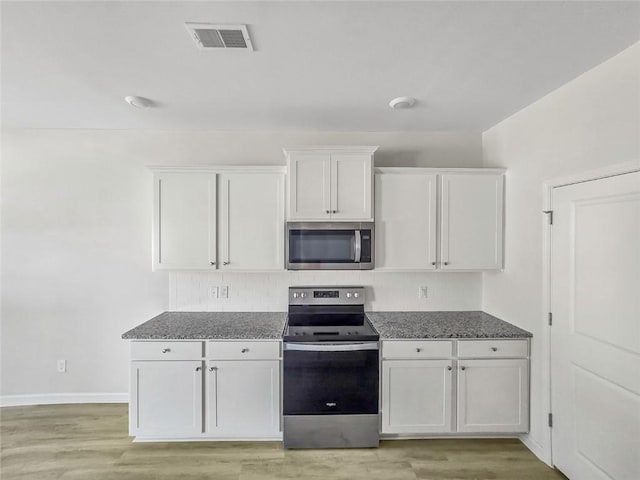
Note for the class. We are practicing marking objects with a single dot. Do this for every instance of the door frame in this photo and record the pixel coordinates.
(545, 453)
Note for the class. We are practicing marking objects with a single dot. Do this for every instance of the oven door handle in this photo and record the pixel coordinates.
(331, 347)
(357, 250)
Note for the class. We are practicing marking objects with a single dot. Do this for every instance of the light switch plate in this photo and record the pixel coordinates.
(213, 292)
(422, 292)
(224, 291)
(61, 366)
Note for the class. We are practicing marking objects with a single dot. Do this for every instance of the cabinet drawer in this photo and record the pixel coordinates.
(417, 349)
(240, 350)
(166, 350)
(492, 348)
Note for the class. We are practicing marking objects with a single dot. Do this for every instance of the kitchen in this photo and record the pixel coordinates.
(246, 230)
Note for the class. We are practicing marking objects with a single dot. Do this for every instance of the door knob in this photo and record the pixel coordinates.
(449, 367)
(495, 349)
(433, 263)
(211, 369)
(463, 368)
(446, 263)
(244, 350)
(212, 263)
(198, 369)
(328, 211)
(226, 263)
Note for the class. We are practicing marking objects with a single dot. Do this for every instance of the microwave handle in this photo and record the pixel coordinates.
(358, 247)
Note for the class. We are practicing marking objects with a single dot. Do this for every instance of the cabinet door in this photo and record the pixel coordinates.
(416, 396)
(351, 183)
(184, 232)
(309, 186)
(405, 221)
(493, 396)
(471, 221)
(243, 398)
(252, 221)
(166, 398)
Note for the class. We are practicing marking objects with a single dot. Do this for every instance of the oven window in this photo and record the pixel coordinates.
(321, 383)
(321, 246)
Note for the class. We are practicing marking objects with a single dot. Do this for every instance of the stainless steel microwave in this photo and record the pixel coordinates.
(329, 246)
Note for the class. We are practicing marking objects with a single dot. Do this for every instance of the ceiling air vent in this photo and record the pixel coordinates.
(211, 37)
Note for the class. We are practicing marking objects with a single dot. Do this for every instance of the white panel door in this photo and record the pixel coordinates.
(405, 221)
(351, 184)
(595, 337)
(184, 231)
(471, 221)
(166, 398)
(309, 186)
(493, 396)
(252, 221)
(243, 398)
(416, 396)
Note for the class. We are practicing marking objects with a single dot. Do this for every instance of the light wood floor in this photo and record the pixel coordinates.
(90, 442)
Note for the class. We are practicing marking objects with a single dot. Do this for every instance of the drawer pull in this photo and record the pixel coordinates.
(418, 350)
(495, 349)
(244, 350)
(166, 350)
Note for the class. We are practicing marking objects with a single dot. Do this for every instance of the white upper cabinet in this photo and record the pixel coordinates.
(440, 219)
(471, 218)
(330, 183)
(406, 221)
(184, 221)
(251, 221)
(231, 220)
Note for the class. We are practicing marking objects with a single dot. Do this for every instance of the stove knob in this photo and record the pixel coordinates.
(348, 294)
(302, 295)
(356, 295)
(295, 294)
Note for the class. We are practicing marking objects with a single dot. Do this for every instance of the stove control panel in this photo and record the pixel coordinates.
(326, 296)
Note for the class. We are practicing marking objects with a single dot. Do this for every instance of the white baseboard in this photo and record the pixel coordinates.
(537, 449)
(57, 398)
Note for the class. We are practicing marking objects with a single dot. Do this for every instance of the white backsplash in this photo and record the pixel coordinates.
(267, 292)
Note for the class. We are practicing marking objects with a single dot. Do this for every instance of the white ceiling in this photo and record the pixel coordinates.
(317, 66)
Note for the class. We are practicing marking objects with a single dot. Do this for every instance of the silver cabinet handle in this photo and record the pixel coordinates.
(166, 350)
(463, 368)
(418, 350)
(244, 350)
(495, 349)
(226, 263)
(449, 367)
(212, 263)
(198, 369)
(211, 369)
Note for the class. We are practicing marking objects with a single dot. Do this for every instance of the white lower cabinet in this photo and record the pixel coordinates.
(454, 394)
(416, 396)
(243, 398)
(219, 397)
(166, 398)
(493, 396)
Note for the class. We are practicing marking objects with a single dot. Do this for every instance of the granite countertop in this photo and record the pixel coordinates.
(211, 325)
(443, 325)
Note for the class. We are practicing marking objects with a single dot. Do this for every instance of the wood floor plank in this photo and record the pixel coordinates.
(90, 441)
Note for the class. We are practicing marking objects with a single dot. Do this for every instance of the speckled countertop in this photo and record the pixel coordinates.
(211, 325)
(443, 325)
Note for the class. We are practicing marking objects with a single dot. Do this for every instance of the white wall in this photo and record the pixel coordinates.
(591, 122)
(76, 240)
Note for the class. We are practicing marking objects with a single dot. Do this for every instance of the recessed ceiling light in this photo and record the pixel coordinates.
(402, 102)
(139, 102)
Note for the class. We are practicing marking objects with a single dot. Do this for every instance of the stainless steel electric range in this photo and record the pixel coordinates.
(331, 370)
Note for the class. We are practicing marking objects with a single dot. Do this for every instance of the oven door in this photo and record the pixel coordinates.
(329, 246)
(330, 379)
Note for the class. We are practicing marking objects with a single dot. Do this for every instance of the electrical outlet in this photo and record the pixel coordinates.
(422, 292)
(213, 292)
(224, 291)
(62, 366)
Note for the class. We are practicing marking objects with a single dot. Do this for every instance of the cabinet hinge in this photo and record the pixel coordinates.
(551, 420)
(549, 215)
(550, 318)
